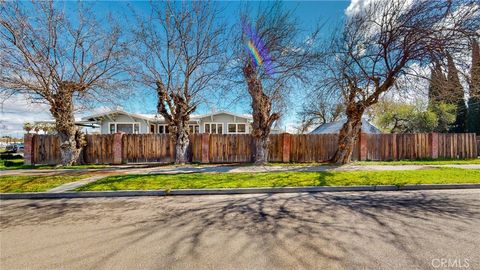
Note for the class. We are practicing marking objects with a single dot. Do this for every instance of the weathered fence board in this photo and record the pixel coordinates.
(230, 148)
(99, 149)
(409, 146)
(148, 148)
(46, 149)
(219, 148)
(195, 147)
(313, 147)
(461, 145)
(478, 145)
(275, 148)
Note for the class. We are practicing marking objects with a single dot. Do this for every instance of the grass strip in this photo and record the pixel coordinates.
(283, 179)
(29, 183)
(422, 162)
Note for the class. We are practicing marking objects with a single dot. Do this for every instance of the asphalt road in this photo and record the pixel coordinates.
(362, 230)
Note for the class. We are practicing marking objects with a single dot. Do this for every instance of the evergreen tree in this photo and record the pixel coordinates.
(455, 95)
(473, 117)
(437, 85)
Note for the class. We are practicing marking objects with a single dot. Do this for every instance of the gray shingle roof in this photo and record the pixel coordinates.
(334, 127)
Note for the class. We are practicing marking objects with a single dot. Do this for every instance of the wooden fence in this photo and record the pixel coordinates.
(147, 148)
(421, 146)
(216, 148)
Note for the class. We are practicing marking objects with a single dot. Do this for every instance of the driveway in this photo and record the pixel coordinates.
(361, 230)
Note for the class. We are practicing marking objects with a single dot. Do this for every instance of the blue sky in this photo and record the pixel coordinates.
(308, 13)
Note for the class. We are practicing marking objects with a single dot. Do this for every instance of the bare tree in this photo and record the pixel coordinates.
(180, 55)
(379, 44)
(319, 108)
(278, 58)
(58, 59)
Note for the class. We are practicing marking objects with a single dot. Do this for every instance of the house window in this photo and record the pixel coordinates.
(235, 128)
(129, 128)
(241, 128)
(193, 129)
(213, 128)
(162, 129)
(152, 129)
(126, 128)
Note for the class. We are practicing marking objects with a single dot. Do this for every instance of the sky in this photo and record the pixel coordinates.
(16, 110)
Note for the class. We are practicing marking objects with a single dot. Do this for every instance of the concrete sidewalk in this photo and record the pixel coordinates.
(73, 185)
(257, 169)
(221, 168)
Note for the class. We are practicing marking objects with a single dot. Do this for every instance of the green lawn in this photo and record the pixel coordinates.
(421, 162)
(30, 183)
(284, 179)
(13, 162)
(16, 165)
(10, 164)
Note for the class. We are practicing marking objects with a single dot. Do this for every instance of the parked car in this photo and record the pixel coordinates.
(15, 147)
(20, 147)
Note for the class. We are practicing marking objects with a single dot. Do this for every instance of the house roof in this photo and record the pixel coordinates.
(148, 117)
(246, 116)
(155, 117)
(334, 127)
(78, 122)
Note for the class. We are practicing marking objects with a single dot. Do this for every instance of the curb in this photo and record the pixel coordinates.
(225, 191)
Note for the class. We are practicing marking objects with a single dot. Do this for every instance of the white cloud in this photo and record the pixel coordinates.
(16, 110)
(357, 6)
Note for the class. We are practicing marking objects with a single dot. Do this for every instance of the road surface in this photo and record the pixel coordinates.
(361, 230)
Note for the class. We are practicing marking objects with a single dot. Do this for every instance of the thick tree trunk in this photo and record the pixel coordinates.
(70, 148)
(261, 150)
(263, 118)
(71, 139)
(176, 110)
(181, 146)
(347, 137)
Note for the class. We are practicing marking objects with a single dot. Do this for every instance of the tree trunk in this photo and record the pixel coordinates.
(263, 118)
(181, 145)
(71, 139)
(70, 148)
(261, 150)
(347, 138)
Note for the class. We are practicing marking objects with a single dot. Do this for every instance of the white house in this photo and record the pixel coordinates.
(118, 120)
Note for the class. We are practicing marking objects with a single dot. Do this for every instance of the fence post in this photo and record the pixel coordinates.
(362, 153)
(476, 145)
(433, 142)
(28, 150)
(286, 141)
(394, 147)
(117, 148)
(205, 148)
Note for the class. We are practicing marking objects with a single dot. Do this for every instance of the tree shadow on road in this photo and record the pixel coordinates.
(336, 229)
